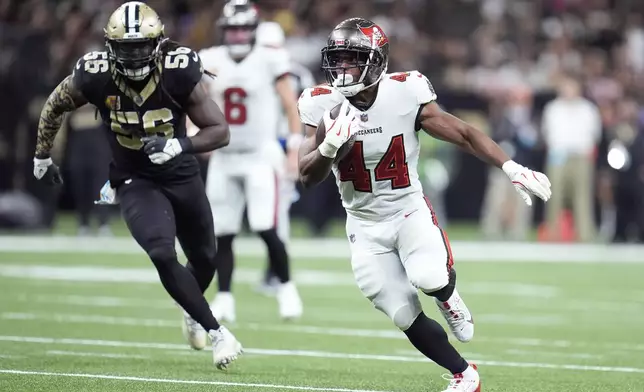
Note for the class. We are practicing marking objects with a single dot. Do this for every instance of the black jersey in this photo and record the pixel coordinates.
(132, 110)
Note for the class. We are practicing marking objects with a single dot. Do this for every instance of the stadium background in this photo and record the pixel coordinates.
(478, 54)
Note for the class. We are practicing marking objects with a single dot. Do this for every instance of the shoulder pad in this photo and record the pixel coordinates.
(182, 70)
(417, 84)
(182, 59)
(314, 101)
(90, 70)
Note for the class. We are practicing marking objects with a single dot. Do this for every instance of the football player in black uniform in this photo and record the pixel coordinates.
(143, 86)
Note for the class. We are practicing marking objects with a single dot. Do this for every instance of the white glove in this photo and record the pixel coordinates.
(107, 195)
(161, 150)
(338, 130)
(46, 170)
(41, 166)
(528, 182)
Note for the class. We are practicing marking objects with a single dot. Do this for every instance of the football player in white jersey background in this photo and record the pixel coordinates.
(397, 247)
(271, 34)
(252, 87)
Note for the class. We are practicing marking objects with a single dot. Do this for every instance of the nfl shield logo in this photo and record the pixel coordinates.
(113, 102)
(352, 238)
(364, 117)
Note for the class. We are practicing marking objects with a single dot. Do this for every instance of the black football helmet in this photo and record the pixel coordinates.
(238, 23)
(356, 56)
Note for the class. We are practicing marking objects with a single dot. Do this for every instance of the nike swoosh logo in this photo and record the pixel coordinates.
(195, 56)
(409, 213)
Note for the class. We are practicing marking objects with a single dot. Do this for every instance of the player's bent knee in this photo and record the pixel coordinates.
(162, 256)
(404, 317)
(428, 279)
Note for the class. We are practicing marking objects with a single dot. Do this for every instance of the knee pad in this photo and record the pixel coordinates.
(405, 316)
(401, 308)
(163, 256)
(444, 293)
(428, 279)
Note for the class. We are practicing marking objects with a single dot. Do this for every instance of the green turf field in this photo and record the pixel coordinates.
(81, 322)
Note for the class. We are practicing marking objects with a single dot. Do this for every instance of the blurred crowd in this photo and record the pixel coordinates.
(558, 83)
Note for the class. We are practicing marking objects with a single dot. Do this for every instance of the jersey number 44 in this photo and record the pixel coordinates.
(391, 167)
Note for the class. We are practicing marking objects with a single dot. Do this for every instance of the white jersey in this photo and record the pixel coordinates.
(381, 169)
(245, 92)
(301, 79)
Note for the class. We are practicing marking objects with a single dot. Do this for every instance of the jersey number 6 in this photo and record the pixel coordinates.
(234, 107)
(392, 167)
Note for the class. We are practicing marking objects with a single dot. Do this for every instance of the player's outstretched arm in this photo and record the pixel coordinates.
(65, 98)
(314, 167)
(449, 128)
(204, 113)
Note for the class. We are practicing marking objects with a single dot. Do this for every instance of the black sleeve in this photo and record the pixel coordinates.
(182, 71)
(90, 75)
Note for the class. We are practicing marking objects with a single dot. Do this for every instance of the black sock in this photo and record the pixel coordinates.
(224, 260)
(277, 255)
(446, 292)
(182, 286)
(431, 340)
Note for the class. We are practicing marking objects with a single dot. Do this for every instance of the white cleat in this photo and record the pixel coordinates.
(468, 381)
(458, 317)
(289, 301)
(194, 332)
(225, 347)
(223, 307)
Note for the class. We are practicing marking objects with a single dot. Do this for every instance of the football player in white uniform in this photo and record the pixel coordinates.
(301, 79)
(397, 247)
(252, 87)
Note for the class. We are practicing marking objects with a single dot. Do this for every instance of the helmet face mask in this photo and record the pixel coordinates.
(356, 56)
(135, 59)
(133, 36)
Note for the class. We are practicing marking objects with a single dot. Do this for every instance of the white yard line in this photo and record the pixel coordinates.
(99, 355)
(109, 274)
(303, 277)
(307, 329)
(310, 354)
(533, 353)
(175, 381)
(337, 248)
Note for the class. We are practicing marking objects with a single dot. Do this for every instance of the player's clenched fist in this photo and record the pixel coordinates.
(338, 130)
(46, 170)
(528, 182)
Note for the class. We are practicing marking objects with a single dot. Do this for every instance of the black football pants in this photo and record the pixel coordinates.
(156, 213)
